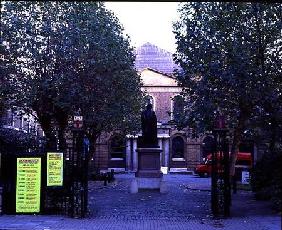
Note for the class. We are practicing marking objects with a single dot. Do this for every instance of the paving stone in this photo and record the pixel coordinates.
(186, 205)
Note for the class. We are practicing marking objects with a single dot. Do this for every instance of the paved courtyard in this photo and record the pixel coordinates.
(185, 206)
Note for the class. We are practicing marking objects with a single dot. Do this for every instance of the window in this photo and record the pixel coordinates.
(117, 146)
(177, 147)
(178, 108)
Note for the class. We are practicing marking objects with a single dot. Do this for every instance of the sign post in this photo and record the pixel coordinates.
(79, 169)
(220, 190)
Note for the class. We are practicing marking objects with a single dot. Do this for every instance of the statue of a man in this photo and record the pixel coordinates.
(149, 127)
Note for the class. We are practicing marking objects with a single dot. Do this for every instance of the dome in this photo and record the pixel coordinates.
(153, 57)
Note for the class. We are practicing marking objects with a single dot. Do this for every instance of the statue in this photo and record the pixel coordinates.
(149, 127)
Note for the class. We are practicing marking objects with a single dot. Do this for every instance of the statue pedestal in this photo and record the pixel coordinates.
(148, 175)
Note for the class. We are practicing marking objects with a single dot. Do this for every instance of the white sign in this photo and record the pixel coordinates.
(164, 170)
(77, 118)
(245, 177)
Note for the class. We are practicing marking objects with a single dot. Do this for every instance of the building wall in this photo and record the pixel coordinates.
(21, 122)
(163, 105)
(192, 152)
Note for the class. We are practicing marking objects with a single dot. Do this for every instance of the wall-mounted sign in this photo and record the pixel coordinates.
(28, 185)
(77, 118)
(78, 122)
(55, 169)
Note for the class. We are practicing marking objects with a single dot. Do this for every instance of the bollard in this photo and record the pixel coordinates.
(104, 176)
(109, 177)
(112, 175)
(1, 193)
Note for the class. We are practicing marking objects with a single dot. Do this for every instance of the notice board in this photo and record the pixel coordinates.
(28, 185)
(55, 169)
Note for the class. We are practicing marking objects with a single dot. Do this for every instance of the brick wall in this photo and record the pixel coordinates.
(193, 154)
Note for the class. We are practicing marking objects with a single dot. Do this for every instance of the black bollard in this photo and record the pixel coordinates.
(109, 177)
(104, 177)
(112, 175)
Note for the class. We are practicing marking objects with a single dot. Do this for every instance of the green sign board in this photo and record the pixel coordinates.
(54, 169)
(28, 184)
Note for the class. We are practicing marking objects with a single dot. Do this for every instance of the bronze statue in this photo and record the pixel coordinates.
(149, 127)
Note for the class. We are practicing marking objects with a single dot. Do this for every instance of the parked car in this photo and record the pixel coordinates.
(244, 162)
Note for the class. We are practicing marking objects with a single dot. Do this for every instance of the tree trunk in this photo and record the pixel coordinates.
(273, 137)
(237, 137)
(92, 151)
(45, 122)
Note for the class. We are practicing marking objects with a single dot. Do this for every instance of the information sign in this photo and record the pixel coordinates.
(28, 185)
(54, 169)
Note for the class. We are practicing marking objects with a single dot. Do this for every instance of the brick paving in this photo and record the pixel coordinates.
(185, 206)
(179, 203)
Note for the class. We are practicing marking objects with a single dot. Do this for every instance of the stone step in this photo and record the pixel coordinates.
(180, 171)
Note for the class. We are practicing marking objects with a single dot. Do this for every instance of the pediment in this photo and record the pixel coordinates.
(150, 77)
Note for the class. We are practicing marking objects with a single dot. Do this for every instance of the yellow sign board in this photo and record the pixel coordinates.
(54, 169)
(28, 184)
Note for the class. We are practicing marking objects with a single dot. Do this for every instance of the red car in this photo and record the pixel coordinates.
(244, 160)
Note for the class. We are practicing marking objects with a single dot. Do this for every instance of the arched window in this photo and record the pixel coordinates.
(117, 146)
(178, 108)
(177, 147)
(150, 99)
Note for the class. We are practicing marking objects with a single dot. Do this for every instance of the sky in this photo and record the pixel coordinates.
(147, 22)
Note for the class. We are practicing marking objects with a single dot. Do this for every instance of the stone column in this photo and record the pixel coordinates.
(134, 154)
(166, 152)
(128, 154)
(160, 143)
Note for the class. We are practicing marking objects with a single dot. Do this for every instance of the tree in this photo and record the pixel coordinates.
(28, 35)
(229, 54)
(71, 55)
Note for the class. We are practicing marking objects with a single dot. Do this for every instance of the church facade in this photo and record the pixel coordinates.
(180, 151)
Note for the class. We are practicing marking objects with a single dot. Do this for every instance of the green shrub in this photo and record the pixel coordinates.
(266, 179)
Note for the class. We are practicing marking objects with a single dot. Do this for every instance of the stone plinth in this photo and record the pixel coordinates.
(148, 175)
(149, 163)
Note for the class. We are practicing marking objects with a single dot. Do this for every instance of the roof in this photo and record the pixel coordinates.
(152, 57)
(156, 71)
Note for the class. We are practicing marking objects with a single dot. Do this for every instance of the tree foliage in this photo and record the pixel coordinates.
(230, 54)
(68, 56)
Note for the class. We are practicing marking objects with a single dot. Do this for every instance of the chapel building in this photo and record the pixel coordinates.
(181, 151)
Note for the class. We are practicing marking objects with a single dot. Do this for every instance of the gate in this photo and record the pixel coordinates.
(70, 199)
(10, 152)
(73, 195)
